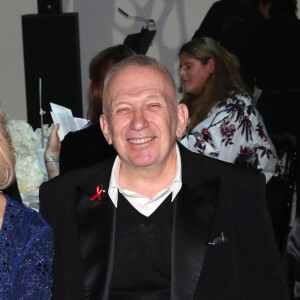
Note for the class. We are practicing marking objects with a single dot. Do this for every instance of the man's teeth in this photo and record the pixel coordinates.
(140, 141)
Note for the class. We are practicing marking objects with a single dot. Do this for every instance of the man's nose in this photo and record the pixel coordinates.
(139, 120)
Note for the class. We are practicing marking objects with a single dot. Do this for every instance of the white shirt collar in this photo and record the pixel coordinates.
(143, 204)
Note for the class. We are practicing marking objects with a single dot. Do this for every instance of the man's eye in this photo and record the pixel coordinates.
(153, 106)
(123, 111)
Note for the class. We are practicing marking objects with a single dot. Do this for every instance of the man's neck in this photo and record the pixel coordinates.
(148, 181)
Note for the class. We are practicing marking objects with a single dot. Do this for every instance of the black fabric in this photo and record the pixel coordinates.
(275, 47)
(84, 148)
(13, 192)
(140, 42)
(277, 200)
(293, 250)
(95, 243)
(216, 197)
(222, 19)
(280, 111)
(142, 257)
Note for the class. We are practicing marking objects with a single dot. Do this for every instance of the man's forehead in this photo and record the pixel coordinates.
(136, 79)
(137, 72)
(141, 92)
(139, 79)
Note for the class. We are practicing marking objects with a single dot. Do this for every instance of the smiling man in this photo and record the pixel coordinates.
(142, 120)
(158, 221)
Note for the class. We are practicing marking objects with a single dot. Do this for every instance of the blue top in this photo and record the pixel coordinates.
(26, 254)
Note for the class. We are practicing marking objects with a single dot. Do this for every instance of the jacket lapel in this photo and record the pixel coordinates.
(96, 227)
(193, 216)
(194, 211)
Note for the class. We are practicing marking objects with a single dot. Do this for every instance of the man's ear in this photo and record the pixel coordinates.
(105, 129)
(182, 118)
(211, 65)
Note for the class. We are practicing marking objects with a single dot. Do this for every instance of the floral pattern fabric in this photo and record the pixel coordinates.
(26, 254)
(234, 132)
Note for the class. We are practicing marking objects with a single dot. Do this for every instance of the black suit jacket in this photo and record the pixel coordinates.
(84, 148)
(215, 198)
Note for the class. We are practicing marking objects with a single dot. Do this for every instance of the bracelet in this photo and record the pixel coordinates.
(52, 159)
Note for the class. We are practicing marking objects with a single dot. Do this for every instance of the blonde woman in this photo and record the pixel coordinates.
(26, 242)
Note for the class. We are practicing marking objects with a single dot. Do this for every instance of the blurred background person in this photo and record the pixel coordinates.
(275, 49)
(88, 145)
(232, 23)
(223, 123)
(225, 15)
(26, 240)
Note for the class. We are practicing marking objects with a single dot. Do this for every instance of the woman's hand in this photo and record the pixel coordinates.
(52, 153)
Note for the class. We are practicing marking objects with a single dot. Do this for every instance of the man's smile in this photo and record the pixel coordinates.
(140, 141)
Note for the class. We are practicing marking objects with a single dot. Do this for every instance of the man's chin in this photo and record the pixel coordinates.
(142, 162)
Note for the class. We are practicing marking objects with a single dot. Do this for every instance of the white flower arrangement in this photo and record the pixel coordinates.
(25, 142)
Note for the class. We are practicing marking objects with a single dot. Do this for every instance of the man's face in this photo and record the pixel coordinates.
(142, 121)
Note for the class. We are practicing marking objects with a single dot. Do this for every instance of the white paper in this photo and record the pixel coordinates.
(80, 123)
(64, 117)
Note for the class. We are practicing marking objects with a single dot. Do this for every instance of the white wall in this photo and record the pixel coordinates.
(101, 26)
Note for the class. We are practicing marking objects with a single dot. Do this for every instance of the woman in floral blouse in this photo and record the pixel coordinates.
(224, 123)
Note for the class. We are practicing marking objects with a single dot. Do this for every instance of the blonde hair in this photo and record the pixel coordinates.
(7, 155)
(225, 80)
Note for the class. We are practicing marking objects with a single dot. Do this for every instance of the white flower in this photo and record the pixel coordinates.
(25, 142)
(47, 131)
(29, 175)
(24, 139)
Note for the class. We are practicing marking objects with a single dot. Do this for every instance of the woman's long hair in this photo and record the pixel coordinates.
(7, 155)
(99, 65)
(221, 84)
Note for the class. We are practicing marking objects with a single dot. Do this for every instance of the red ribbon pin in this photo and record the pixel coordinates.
(99, 191)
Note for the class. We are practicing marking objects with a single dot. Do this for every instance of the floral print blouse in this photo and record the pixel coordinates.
(26, 254)
(234, 132)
